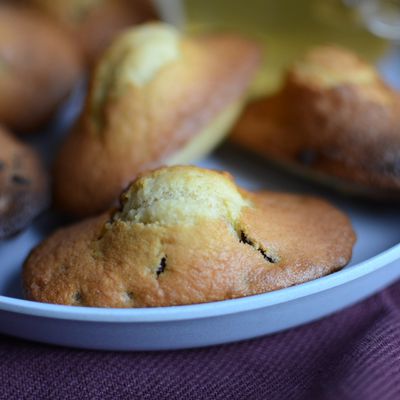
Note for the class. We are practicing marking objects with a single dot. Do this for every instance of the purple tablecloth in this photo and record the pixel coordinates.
(354, 354)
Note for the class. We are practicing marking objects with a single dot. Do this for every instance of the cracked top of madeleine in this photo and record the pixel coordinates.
(133, 60)
(181, 195)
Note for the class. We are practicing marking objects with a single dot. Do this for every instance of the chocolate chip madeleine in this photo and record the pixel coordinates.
(94, 23)
(24, 191)
(188, 235)
(335, 120)
(156, 98)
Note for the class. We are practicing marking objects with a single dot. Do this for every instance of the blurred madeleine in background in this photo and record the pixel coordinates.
(39, 67)
(94, 23)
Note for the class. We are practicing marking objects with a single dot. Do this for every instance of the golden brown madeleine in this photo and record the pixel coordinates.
(39, 66)
(24, 190)
(94, 23)
(335, 120)
(156, 98)
(189, 235)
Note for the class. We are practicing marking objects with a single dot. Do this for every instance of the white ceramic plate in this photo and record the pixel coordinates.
(375, 264)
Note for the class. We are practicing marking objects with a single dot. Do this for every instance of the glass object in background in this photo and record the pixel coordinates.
(382, 17)
(285, 28)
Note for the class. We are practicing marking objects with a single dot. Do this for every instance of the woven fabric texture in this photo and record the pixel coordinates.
(354, 354)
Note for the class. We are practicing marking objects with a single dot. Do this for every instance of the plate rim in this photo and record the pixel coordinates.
(203, 310)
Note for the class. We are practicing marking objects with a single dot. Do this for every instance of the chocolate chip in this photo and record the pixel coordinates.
(130, 295)
(392, 167)
(266, 256)
(162, 266)
(77, 298)
(244, 239)
(128, 298)
(307, 156)
(20, 180)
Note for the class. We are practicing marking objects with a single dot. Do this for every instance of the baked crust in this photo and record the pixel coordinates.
(334, 119)
(24, 190)
(133, 122)
(188, 235)
(94, 23)
(39, 66)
